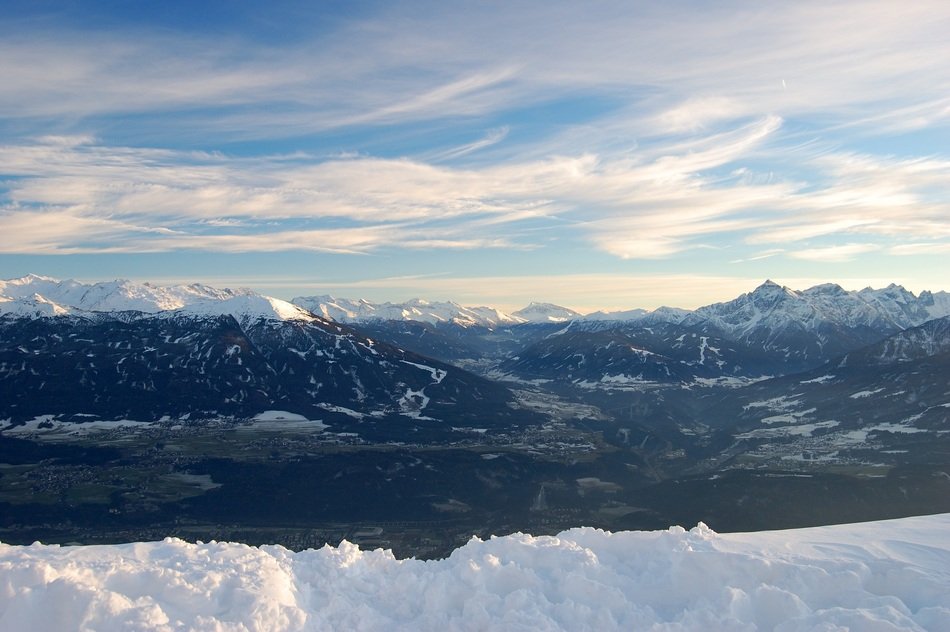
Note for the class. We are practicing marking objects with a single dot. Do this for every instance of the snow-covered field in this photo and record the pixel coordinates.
(890, 575)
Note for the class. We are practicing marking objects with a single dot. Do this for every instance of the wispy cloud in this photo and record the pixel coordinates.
(72, 195)
(834, 254)
(923, 248)
(493, 137)
(683, 65)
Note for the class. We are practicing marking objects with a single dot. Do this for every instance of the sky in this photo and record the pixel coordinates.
(601, 155)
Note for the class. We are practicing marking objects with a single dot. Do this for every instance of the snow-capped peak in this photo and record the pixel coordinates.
(38, 296)
(774, 308)
(118, 295)
(30, 279)
(33, 307)
(629, 314)
(246, 308)
(546, 313)
(769, 307)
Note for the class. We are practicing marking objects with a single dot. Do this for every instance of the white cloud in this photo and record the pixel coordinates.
(834, 254)
(922, 248)
(766, 254)
(493, 137)
(76, 195)
(699, 113)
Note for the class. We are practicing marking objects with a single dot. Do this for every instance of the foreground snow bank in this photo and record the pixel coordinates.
(890, 575)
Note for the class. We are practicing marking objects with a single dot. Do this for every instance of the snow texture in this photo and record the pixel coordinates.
(889, 575)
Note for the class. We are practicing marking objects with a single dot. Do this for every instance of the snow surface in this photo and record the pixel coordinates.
(889, 575)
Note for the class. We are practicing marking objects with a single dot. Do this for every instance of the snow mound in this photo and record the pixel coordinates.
(890, 575)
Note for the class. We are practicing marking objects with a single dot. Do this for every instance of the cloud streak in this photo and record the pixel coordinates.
(72, 195)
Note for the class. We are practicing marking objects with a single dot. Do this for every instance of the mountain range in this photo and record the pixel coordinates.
(225, 407)
(770, 307)
(116, 350)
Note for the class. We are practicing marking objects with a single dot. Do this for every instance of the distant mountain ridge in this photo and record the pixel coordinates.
(769, 307)
(118, 295)
(772, 330)
(359, 310)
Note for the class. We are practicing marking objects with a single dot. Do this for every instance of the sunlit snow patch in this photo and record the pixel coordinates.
(818, 380)
(889, 575)
(863, 394)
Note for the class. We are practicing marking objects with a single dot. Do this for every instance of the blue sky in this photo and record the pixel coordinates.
(597, 155)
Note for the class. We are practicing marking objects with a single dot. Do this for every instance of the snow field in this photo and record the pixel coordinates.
(890, 575)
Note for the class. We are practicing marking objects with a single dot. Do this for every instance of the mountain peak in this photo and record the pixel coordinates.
(32, 278)
(770, 287)
(248, 309)
(826, 289)
(546, 313)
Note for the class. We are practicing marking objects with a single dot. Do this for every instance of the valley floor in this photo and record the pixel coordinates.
(293, 486)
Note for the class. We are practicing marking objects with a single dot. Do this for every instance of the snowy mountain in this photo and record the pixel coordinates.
(810, 327)
(887, 403)
(117, 295)
(201, 362)
(772, 330)
(617, 357)
(886, 575)
(349, 311)
(932, 339)
(246, 308)
(767, 312)
(546, 313)
(628, 314)
(37, 296)
(775, 309)
(31, 307)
